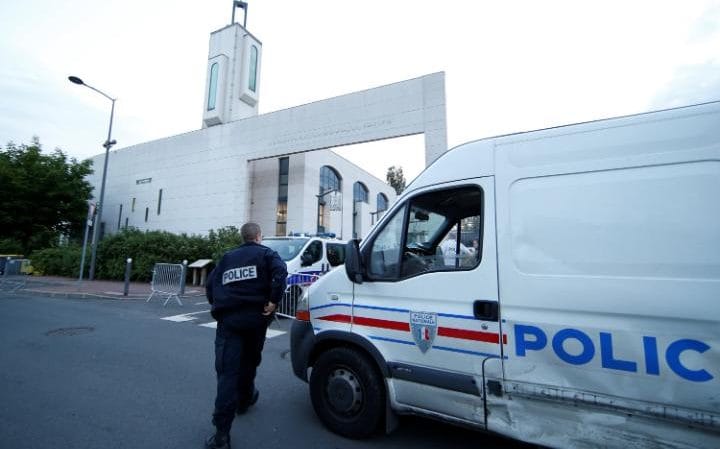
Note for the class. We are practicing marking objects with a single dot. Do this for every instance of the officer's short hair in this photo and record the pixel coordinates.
(250, 231)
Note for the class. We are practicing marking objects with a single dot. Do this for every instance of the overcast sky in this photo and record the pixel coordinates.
(510, 65)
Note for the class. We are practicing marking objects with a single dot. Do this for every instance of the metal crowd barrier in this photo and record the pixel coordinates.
(13, 279)
(296, 285)
(168, 279)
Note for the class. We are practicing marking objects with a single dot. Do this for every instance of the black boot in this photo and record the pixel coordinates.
(244, 407)
(219, 440)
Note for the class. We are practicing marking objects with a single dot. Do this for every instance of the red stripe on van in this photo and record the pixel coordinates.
(463, 334)
(339, 318)
(384, 324)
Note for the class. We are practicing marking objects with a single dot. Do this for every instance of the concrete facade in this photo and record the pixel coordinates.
(204, 174)
(227, 172)
(303, 190)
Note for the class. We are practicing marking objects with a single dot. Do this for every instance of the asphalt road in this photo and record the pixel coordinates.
(115, 374)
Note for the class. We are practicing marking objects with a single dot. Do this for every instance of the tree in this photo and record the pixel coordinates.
(41, 195)
(396, 179)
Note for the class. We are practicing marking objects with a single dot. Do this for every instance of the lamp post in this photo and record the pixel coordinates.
(88, 224)
(100, 205)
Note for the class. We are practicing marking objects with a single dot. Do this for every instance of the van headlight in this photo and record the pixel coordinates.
(302, 309)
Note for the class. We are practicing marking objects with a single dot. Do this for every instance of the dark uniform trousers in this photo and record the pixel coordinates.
(239, 341)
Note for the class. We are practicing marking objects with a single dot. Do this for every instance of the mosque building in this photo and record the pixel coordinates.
(276, 169)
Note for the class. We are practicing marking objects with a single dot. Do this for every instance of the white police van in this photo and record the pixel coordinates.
(587, 316)
(307, 257)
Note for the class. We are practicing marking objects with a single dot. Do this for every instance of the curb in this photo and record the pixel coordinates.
(82, 295)
(85, 295)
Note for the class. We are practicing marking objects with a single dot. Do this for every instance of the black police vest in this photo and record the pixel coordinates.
(242, 278)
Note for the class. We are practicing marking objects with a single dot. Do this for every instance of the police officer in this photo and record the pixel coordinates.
(244, 290)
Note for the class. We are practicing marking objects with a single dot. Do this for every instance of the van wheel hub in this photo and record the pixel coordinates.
(344, 391)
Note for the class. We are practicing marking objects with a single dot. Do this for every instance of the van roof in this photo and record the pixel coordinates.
(302, 237)
(476, 158)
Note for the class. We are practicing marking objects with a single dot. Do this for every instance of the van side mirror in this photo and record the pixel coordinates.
(353, 262)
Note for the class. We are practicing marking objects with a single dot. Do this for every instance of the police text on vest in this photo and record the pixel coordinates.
(239, 274)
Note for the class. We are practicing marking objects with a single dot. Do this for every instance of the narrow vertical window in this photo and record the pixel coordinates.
(321, 217)
(252, 79)
(281, 220)
(126, 222)
(382, 202)
(159, 201)
(132, 207)
(360, 195)
(330, 183)
(147, 210)
(382, 205)
(119, 218)
(212, 89)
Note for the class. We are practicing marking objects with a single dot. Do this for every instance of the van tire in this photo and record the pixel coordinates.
(347, 392)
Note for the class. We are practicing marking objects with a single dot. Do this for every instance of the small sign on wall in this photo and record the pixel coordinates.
(143, 181)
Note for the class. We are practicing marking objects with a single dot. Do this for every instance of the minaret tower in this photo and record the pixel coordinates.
(232, 88)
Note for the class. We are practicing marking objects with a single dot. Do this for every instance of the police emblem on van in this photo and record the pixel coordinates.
(423, 326)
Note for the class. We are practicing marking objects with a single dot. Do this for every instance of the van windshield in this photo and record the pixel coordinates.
(286, 248)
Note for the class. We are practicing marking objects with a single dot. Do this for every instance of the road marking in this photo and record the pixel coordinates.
(273, 333)
(270, 332)
(201, 303)
(183, 317)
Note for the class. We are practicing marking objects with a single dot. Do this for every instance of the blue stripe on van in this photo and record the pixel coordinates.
(391, 309)
(440, 348)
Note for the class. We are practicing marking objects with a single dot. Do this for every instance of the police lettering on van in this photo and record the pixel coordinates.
(533, 338)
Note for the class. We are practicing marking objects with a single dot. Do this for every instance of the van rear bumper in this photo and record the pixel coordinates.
(302, 341)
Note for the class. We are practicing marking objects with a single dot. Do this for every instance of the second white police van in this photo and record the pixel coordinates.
(307, 257)
(560, 286)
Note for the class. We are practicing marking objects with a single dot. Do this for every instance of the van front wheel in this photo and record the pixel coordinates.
(347, 393)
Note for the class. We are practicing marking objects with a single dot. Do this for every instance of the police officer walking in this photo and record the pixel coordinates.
(244, 290)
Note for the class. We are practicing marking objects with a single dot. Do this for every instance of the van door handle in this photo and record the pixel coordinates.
(485, 310)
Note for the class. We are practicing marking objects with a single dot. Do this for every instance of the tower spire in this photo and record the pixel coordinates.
(244, 6)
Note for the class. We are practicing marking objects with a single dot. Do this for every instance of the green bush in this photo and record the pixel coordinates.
(146, 248)
(223, 240)
(10, 246)
(59, 261)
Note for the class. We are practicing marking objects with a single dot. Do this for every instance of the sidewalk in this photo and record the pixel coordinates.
(71, 288)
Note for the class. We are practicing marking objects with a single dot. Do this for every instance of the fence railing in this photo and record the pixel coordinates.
(13, 278)
(296, 285)
(168, 279)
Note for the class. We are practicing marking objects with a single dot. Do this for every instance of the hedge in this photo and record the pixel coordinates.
(146, 248)
(59, 261)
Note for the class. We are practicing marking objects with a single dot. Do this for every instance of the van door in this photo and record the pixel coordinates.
(429, 302)
(610, 274)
